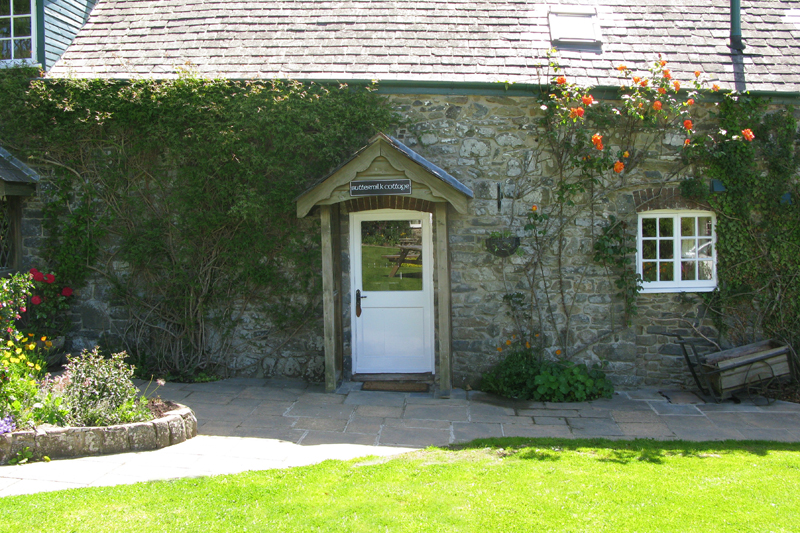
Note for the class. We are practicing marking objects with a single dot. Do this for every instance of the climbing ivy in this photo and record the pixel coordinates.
(180, 193)
(758, 217)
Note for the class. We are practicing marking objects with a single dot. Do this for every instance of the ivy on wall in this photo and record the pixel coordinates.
(758, 217)
(181, 194)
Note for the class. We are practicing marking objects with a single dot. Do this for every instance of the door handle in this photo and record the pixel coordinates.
(358, 302)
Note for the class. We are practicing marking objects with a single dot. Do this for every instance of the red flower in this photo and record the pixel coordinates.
(688, 124)
(36, 300)
(666, 73)
(38, 276)
(657, 105)
(643, 83)
(677, 85)
(597, 138)
(662, 90)
(690, 101)
(748, 134)
(49, 278)
(636, 79)
(66, 291)
(697, 73)
(561, 80)
(619, 166)
(23, 309)
(663, 63)
(686, 142)
(587, 100)
(715, 87)
(579, 111)
(33, 270)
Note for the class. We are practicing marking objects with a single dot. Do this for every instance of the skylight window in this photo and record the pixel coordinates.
(577, 25)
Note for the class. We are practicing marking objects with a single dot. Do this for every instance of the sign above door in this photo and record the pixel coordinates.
(380, 187)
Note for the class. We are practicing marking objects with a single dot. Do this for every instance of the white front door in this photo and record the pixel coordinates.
(391, 291)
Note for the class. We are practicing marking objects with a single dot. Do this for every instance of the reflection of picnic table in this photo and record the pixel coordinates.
(409, 253)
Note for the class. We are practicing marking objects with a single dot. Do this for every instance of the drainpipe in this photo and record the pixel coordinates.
(736, 25)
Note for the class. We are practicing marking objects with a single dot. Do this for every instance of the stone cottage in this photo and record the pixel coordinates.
(467, 165)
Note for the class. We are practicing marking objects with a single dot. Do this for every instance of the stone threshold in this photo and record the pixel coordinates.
(174, 427)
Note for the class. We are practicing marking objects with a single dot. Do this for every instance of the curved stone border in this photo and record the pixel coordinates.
(175, 426)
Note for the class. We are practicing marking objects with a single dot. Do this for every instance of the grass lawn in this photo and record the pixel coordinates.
(495, 485)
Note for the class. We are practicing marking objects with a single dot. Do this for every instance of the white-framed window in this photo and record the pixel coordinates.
(676, 251)
(17, 31)
(574, 25)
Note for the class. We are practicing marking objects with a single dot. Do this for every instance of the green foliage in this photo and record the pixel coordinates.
(758, 235)
(181, 194)
(99, 390)
(524, 374)
(612, 249)
(14, 292)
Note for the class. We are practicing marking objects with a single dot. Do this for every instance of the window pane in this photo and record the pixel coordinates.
(22, 7)
(649, 271)
(22, 27)
(705, 270)
(391, 255)
(5, 8)
(705, 248)
(688, 248)
(687, 270)
(22, 48)
(666, 271)
(665, 249)
(704, 223)
(687, 226)
(665, 227)
(649, 227)
(5, 28)
(648, 249)
(5, 50)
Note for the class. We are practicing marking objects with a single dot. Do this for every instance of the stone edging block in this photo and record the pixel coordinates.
(174, 427)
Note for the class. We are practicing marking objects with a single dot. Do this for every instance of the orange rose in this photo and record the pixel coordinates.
(697, 73)
(587, 100)
(662, 90)
(579, 111)
(561, 80)
(666, 74)
(686, 142)
(677, 85)
(619, 166)
(534, 208)
(657, 105)
(690, 101)
(636, 79)
(748, 134)
(663, 63)
(687, 124)
(643, 83)
(621, 68)
(715, 87)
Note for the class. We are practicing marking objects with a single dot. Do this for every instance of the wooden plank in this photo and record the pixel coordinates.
(740, 351)
(443, 291)
(328, 305)
(755, 356)
(336, 235)
(750, 374)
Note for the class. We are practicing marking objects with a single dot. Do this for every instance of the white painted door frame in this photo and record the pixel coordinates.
(395, 332)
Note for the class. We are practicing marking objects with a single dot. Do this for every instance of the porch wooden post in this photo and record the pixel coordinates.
(328, 298)
(443, 290)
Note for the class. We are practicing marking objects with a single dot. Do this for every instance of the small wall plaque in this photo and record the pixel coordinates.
(380, 187)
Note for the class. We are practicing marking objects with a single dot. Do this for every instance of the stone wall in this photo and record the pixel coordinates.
(491, 144)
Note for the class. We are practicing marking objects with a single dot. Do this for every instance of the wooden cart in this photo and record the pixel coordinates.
(751, 368)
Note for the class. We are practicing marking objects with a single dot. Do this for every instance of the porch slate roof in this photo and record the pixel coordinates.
(12, 170)
(451, 41)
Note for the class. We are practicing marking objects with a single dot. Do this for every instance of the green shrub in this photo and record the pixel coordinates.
(99, 392)
(524, 374)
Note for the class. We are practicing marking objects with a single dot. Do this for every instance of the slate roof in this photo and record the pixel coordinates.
(451, 41)
(13, 170)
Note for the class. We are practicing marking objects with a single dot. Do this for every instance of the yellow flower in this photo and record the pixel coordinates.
(32, 346)
(38, 367)
(10, 343)
(48, 344)
(33, 382)
(14, 360)
(22, 357)
(5, 362)
(18, 350)
(30, 334)
(30, 364)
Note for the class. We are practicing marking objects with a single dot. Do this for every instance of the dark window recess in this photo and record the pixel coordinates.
(9, 234)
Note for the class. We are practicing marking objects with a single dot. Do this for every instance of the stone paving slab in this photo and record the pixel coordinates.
(549, 421)
(417, 423)
(593, 427)
(436, 412)
(536, 431)
(321, 410)
(465, 432)
(671, 409)
(379, 410)
(414, 437)
(646, 430)
(376, 398)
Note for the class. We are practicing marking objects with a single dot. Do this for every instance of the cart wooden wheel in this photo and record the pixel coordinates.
(758, 379)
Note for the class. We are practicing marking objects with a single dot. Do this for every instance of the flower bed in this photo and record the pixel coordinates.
(54, 442)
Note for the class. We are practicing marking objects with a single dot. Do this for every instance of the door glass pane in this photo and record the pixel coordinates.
(687, 270)
(391, 255)
(665, 227)
(5, 28)
(687, 226)
(5, 8)
(5, 49)
(649, 227)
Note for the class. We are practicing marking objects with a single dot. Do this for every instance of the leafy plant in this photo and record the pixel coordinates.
(524, 374)
(47, 310)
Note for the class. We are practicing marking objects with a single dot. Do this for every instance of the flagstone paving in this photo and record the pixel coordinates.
(256, 424)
